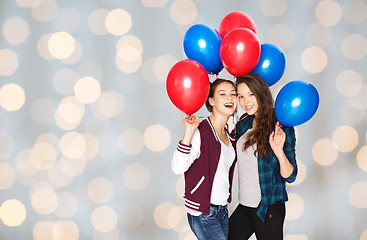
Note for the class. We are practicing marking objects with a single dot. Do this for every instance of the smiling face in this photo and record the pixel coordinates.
(225, 99)
(247, 99)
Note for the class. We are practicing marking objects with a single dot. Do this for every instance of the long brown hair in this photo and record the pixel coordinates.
(265, 115)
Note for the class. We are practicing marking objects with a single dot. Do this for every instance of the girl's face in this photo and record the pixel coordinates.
(224, 99)
(247, 99)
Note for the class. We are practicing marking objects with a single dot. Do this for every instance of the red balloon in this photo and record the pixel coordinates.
(240, 51)
(188, 86)
(235, 20)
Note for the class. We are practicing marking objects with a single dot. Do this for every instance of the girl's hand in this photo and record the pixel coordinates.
(277, 139)
(191, 122)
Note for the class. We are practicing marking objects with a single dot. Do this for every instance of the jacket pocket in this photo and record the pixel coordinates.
(198, 185)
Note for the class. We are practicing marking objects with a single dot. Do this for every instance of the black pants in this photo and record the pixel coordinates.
(244, 222)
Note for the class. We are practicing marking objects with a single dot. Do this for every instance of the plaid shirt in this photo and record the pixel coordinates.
(272, 184)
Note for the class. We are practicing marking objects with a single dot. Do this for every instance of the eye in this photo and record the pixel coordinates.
(240, 97)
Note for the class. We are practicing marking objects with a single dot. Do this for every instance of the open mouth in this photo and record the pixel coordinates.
(228, 105)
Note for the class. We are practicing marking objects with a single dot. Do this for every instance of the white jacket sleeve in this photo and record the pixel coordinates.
(185, 155)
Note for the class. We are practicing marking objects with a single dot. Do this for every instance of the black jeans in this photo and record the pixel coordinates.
(244, 222)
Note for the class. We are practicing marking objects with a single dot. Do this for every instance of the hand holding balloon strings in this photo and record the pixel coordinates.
(277, 139)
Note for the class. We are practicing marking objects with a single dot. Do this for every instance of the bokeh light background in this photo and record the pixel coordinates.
(87, 129)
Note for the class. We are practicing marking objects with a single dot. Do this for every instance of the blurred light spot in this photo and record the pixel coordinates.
(16, 30)
(180, 187)
(161, 214)
(113, 235)
(68, 20)
(325, 152)
(7, 176)
(72, 145)
(76, 54)
(6, 146)
(136, 177)
(28, 3)
(276, 35)
(118, 22)
(129, 54)
(44, 200)
(154, 3)
(295, 207)
(314, 59)
(96, 21)
(12, 97)
(128, 66)
(43, 155)
(45, 10)
(65, 230)
(364, 235)
(100, 190)
(42, 111)
(87, 90)
(302, 173)
(61, 45)
(358, 195)
(67, 205)
(72, 167)
(354, 12)
(24, 165)
(349, 114)
(130, 41)
(42, 47)
(69, 113)
(43, 231)
(131, 142)
(104, 219)
(8, 62)
(183, 12)
(296, 237)
(362, 158)
(328, 13)
(110, 104)
(157, 138)
(131, 214)
(174, 216)
(345, 138)
(64, 81)
(57, 177)
(12, 213)
(92, 146)
(273, 8)
(354, 47)
(318, 35)
(349, 83)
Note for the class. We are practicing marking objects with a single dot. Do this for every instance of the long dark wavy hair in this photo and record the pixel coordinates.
(265, 115)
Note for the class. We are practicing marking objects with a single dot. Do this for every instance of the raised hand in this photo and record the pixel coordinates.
(277, 139)
(191, 124)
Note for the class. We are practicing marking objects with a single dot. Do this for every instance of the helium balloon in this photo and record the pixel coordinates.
(201, 43)
(271, 64)
(296, 103)
(188, 86)
(235, 20)
(240, 51)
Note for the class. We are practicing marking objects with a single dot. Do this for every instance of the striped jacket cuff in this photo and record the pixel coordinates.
(183, 148)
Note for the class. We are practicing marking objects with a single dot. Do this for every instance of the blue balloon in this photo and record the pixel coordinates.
(201, 43)
(271, 64)
(296, 103)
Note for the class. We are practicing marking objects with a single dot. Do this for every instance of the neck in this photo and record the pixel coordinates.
(219, 122)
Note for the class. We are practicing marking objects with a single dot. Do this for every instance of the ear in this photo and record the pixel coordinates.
(211, 101)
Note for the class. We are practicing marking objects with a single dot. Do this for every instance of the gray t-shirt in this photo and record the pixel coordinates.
(249, 192)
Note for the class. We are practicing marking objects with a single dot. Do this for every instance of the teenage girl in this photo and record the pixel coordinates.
(206, 156)
(266, 161)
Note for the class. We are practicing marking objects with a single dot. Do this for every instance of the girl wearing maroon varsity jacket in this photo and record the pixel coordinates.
(206, 157)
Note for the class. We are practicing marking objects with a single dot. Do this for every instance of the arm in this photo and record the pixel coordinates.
(278, 143)
(188, 149)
